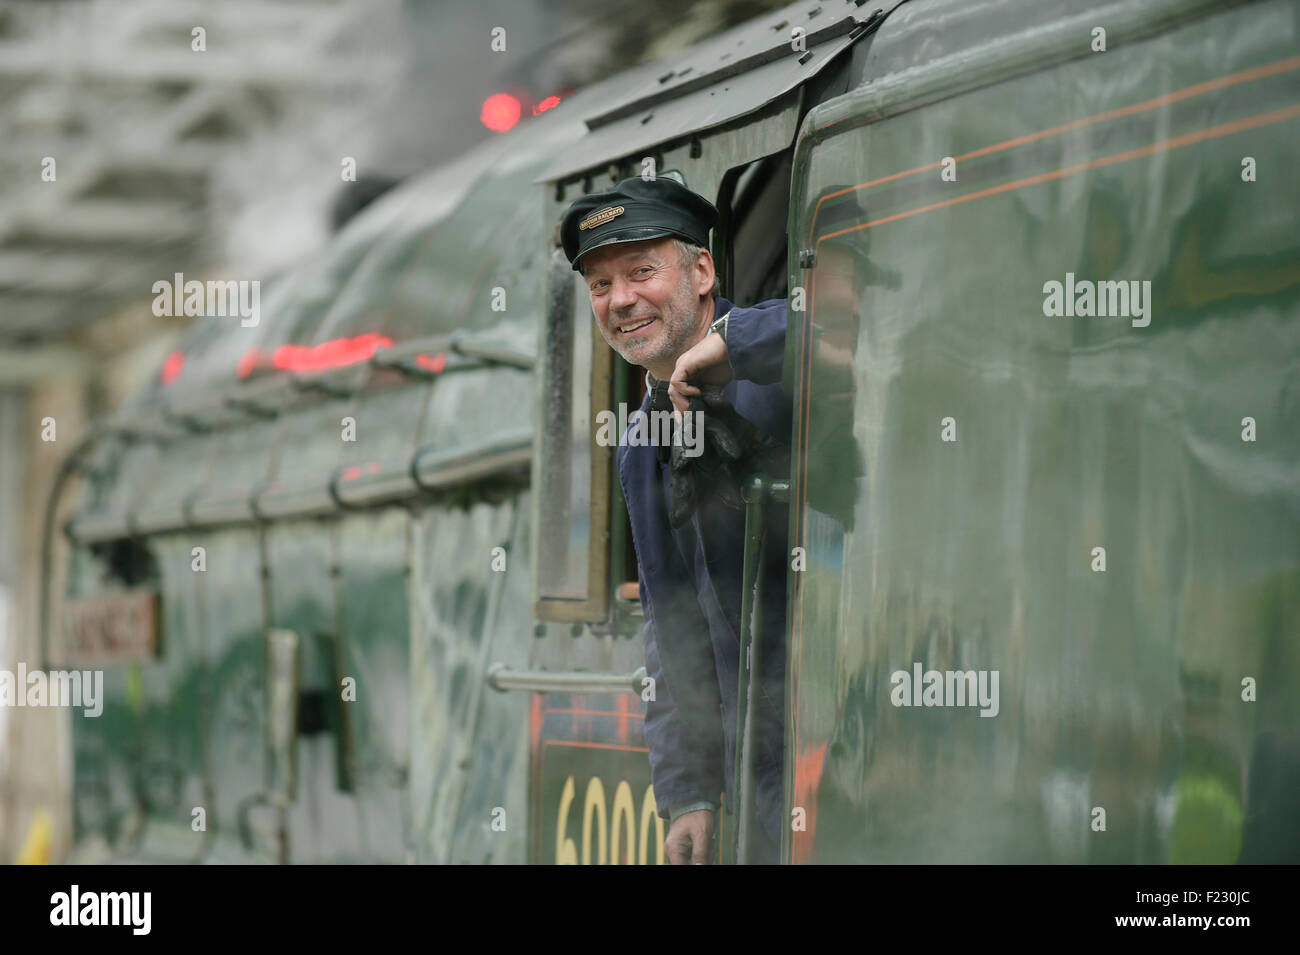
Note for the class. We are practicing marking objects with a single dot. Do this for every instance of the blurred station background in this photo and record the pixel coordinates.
(127, 155)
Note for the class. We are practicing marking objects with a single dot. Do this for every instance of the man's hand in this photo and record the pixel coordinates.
(706, 363)
(690, 836)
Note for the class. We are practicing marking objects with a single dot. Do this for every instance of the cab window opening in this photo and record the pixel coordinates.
(753, 202)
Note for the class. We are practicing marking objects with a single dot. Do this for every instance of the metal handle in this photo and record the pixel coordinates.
(501, 677)
(757, 490)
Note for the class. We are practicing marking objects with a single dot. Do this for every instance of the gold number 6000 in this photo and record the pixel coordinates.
(622, 830)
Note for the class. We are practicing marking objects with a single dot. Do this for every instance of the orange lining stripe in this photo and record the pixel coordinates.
(1164, 145)
(598, 713)
(1223, 82)
(580, 745)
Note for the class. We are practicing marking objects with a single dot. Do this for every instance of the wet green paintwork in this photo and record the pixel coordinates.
(1120, 690)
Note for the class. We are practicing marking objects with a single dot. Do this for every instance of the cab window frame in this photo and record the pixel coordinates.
(711, 164)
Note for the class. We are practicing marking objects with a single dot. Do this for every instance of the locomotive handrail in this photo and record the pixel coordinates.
(501, 677)
(756, 491)
(434, 467)
(465, 354)
(493, 354)
(250, 406)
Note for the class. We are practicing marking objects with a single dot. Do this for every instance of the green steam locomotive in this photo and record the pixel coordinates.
(361, 582)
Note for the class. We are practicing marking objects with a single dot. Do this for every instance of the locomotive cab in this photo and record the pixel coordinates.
(585, 567)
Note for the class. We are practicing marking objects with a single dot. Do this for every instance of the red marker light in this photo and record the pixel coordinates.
(435, 364)
(549, 103)
(500, 112)
(172, 366)
(247, 362)
(331, 354)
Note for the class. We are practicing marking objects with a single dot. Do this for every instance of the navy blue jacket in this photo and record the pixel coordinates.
(690, 583)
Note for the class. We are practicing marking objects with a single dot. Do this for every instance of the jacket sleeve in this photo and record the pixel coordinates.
(675, 811)
(756, 341)
(684, 731)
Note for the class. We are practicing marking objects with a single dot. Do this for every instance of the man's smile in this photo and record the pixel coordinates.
(633, 325)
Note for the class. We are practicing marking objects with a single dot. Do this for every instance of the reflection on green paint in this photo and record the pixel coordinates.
(1207, 828)
(134, 689)
(1120, 687)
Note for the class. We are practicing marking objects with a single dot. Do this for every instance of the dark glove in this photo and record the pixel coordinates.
(732, 450)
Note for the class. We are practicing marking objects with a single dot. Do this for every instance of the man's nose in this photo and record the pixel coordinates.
(621, 295)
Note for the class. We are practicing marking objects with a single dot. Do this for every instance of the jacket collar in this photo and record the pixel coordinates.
(720, 307)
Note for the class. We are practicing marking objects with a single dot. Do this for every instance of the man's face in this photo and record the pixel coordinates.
(646, 305)
(839, 297)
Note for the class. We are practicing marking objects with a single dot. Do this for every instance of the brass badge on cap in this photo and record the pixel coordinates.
(601, 217)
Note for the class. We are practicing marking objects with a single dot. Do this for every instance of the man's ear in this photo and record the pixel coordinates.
(704, 280)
